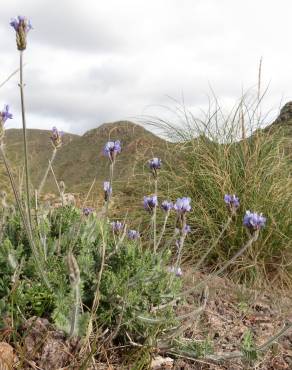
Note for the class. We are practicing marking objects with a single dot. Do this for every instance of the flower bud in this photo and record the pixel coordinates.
(21, 26)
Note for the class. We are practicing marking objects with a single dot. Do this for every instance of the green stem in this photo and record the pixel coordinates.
(247, 245)
(154, 219)
(111, 186)
(163, 229)
(21, 86)
(99, 274)
(23, 216)
(180, 248)
(47, 172)
(213, 245)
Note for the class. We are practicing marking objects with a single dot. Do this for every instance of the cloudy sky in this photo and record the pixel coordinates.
(90, 62)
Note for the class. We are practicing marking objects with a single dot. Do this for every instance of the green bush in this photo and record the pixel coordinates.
(133, 279)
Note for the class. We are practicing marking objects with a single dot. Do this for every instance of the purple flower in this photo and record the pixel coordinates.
(56, 137)
(21, 26)
(5, 114)
(166, 205)
(133, 234)
(155, 163)
(107, 190)
(232, 202)
(254, 221)
(19, 22)
(177, 270)
(182, 205)
(87, 211)
(111, 149)
(150, 203)
(117, 226)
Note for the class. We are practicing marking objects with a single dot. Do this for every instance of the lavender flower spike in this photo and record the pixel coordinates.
(107, 190)
(111, 149)
(4, 116)
(117, 226)
(56, 138)
(166, 205)
(87, 211)
(182, 205)
(154, 165)
(177, 270)
(150, 203)
(232, 202)
(133, 234)
(21, 26)
(254, 221)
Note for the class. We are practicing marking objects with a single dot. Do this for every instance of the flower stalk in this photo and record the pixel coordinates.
(21, 86)
(24, 218)
(155, 218)
(47, 172)
(213, 245)
(74, 275)
(163, 227)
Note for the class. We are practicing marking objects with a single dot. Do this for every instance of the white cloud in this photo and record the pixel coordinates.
(91, 62)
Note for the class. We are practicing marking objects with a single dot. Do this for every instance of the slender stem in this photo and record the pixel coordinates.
(112, 164)
(213, 245)
(47, 172)
(99, 275)
(248, 244)
(74, 239)
(154, 219)
(180, 248)
(23, 216)
(181, 242)
(118, 244)
(21, 86)
(14, 189)
(111, 173)
(275, 337)
(54, 176)
(163, 229)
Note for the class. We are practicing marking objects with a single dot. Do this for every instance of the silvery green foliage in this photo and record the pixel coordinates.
(133, 281)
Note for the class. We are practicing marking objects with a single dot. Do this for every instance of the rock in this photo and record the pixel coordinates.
(285, 113)
(160, 362)
(46, 346)
(6, 356)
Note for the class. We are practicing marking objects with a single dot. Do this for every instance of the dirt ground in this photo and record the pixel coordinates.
(222, 313)
(230, 310)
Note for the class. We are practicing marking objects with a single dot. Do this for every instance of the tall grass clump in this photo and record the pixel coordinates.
(222, 154)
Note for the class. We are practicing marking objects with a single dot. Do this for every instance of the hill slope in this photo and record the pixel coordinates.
(81, 157)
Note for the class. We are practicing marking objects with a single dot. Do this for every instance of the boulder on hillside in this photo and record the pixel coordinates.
(285, 114)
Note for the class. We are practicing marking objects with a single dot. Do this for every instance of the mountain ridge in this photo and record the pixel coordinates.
(81, 157)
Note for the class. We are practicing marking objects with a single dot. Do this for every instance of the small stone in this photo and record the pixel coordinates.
(6, 356)
(160, 362)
